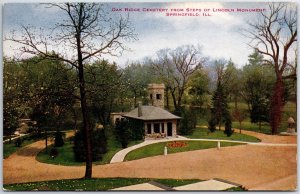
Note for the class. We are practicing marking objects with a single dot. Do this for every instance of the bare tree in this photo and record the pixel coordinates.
(175, 67)
(240, 116)
(85, 33)
(273, 35)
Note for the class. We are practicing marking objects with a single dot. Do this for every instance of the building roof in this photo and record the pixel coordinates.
(151, 113)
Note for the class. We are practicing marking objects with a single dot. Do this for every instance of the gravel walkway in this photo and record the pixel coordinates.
(119, 156)
(257, 167)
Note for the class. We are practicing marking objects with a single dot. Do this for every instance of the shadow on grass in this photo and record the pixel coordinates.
(28, 151)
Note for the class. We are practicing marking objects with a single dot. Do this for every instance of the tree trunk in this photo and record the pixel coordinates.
(276, 105)
(86, 127)
(240, 127)
(174, 100)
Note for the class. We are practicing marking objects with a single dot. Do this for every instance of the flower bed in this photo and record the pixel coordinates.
(176, 144)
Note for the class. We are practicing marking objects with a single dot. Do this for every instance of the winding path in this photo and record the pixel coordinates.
(266, 140)
(256, 167)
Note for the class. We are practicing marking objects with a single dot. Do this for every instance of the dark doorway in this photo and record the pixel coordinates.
(156, 127)
(149, 128)
(169, 128)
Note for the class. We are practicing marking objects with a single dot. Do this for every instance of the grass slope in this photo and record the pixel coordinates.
(204, 133)
(158, 149)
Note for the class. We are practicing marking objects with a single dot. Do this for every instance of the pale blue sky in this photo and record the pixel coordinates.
(219, 35)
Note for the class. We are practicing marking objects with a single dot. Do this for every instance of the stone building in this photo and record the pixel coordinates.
(157, 122)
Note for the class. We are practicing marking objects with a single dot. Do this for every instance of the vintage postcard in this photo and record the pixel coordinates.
(165, 96)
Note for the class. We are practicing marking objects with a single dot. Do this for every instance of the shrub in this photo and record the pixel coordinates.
(53, 152)
(228, 130)
(59, 141)
(99, 145)
(135, 129)
(18, 142)
(123, 132)
(212, 123)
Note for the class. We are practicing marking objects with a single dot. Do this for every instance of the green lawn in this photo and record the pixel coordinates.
(289, 110)
(66, 154)
(158, 148)
(236, 189)
(10, 148)
(204, 133)
(102, 184)
(247, 125)
(176, 182)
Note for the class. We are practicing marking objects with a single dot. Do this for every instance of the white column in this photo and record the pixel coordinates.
(166, 128)
(174, 128)
(145, 128)
(160, 128)
(152, 128)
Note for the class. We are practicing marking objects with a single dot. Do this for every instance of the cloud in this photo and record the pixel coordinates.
(217, 34)
(216, 18)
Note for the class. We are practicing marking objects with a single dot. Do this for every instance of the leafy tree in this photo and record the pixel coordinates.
(257, 85)
(103, 80)
(187, 123)
(199, 88)
(87, 32)
(233, 85)
(273, 35)
(136, 78)
(219, 111)
(260, 111)
(49, 91)
(14, 106)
